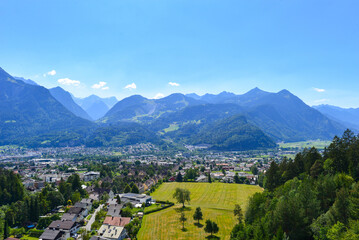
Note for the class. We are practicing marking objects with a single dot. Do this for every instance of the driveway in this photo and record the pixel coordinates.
(92, 219)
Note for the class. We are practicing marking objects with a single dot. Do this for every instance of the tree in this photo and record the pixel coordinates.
(273, 176)
(238, 212)
(127, 189)
(191, 174)
(236, 178)
(179, 177)
(105, 197)
(118, 199)
(126, 212)
(209, 178)
(55, 199)
(135, 189)
(75, 197)
(75, 181)
(182, 195)
(254, 169)
(198, 215)
(86, 235)
(133, 227)
(182, 219)
(6, 230)
(211, 227)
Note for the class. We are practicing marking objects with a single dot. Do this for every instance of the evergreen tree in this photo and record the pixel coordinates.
(238, 212)
(209, 178)
(118, 199)
(211, 227)
(6, 231)
(127, 189)
(198, 215)
(273, 176)
(236, 178)
(254, 170)
(179, 177)
(135, 189)
(341, 206)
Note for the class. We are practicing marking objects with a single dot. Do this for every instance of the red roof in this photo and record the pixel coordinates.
(117, 221)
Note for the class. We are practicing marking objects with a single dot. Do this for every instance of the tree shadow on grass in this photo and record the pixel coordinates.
(213, 237)
(184, 229)
(183, 209)
(199, 225)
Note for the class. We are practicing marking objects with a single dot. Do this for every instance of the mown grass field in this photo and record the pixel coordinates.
(306, 144)
(216, 200)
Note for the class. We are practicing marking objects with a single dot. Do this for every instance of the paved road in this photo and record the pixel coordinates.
(88, 226)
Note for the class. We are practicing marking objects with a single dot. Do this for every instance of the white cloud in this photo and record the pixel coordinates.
(67, 81)
(319, 90)
(158, 96)
(173, 84)
(105, 88)
(131, 86)
(51, 73)
(99, 85)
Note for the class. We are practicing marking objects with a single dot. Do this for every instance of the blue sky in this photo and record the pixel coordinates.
(310, 48)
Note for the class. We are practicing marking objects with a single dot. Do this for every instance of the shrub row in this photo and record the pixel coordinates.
(170, 204)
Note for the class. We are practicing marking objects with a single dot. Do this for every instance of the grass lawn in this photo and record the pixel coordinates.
(216, 200)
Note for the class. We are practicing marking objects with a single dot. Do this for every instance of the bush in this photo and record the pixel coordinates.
(17, 232)
(35, 233)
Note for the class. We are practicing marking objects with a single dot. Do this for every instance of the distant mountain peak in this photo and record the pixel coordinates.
(256, 90)
(284, 91)
(194, 96)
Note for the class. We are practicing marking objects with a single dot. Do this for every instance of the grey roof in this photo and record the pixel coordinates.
(69, 216)
(114, 210)
(81, 205)
(49, 234)
(87, 200)
(75, 210)
(62, 224)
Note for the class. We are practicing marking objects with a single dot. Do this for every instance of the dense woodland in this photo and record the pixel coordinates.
(314, 196)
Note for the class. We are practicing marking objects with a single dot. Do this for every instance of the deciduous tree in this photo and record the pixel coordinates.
(182, 195)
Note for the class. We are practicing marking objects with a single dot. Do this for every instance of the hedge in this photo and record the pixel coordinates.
(170, 204)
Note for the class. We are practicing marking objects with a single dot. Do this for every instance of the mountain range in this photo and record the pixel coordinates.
(95, 106)
(35, 116)
(346, 116)
(67, 101)
(29, 113)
